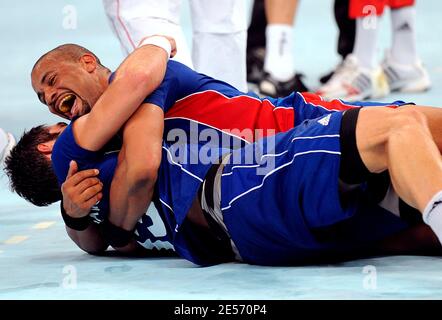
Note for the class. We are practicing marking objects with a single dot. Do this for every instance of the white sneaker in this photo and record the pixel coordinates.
(406, 78)
(351, 82)
(7, 142)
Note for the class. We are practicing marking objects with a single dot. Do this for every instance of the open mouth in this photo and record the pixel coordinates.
(67, 103)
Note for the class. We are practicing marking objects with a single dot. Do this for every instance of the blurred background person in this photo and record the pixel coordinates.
(360, 76)
(7, 142)
(270, 58)
(346, 34)
(218, 40)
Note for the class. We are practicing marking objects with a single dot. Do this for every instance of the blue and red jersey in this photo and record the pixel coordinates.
(193, 102)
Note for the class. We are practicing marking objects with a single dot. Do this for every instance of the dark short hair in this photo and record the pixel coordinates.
(30, 172)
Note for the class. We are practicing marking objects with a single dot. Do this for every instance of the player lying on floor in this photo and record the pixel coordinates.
(286, 211)
(70, 79)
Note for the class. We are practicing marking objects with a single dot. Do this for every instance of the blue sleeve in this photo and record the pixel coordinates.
(66, 149)
(181, 81)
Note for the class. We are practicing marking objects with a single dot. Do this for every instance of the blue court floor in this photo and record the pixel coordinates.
(37, 259)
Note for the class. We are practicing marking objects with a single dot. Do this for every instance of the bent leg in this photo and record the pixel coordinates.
(433, 117)
(400, 140)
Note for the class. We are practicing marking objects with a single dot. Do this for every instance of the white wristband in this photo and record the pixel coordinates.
(158, 41)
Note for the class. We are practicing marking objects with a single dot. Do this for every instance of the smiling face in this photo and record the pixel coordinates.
(69, 84)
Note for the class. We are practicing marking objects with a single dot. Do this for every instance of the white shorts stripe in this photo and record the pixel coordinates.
(179, 165)
(280, 154)
(275, 170)
(163, 202)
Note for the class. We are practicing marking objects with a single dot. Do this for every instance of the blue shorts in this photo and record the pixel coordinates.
(278, 194)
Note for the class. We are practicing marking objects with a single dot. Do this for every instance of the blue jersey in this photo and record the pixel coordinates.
(179, 177)
(192, 102)
(150, 231)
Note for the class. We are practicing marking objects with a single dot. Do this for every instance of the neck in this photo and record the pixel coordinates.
(103, 78)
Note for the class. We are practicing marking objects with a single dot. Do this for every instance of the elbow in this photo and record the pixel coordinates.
(143, 76)
(95, 251)
(91, 244)
(96, 248)
(142, 176)
(137, 78)
(145, 66)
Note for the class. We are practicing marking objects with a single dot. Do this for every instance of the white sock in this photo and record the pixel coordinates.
(279, 61)
(366, 42)
(433, 215)
(403, 22)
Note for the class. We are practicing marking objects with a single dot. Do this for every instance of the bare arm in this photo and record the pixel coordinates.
(419, 240)
(135, 79)
(136, 173)
(89, 240)
(138, 75)
(81, 191)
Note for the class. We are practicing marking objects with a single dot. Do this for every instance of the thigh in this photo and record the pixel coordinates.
(372, 130)
(376, 124)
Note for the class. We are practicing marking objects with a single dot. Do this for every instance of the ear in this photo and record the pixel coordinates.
(89, 62)
(45, 147)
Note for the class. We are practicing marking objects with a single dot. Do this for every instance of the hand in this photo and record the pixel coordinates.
(173, 44)
(81, 191)
(171, 40)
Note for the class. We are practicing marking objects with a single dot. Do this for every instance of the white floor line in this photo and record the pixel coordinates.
(43, 225)
(16, 239)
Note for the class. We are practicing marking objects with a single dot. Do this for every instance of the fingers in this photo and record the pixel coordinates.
(91, 192)
(89, 198)
(173, 53)
(73, 168)
(81, 176)
(92, 201)
(85, 184)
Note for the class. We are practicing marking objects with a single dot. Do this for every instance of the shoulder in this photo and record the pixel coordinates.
(66, 149)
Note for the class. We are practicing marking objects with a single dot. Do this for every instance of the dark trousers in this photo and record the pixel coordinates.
(347, 27)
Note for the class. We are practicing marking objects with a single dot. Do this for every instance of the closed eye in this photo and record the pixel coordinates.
(52, 79)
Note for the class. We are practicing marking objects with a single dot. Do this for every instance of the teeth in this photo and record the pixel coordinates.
(63, 106)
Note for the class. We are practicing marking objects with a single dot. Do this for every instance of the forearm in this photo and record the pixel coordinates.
(89, 240)
(92, 242)
(419, 239)
(130, 197)
(140, 74)
(135, 177)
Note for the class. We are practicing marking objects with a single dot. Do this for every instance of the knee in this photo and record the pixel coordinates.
(408, 121)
